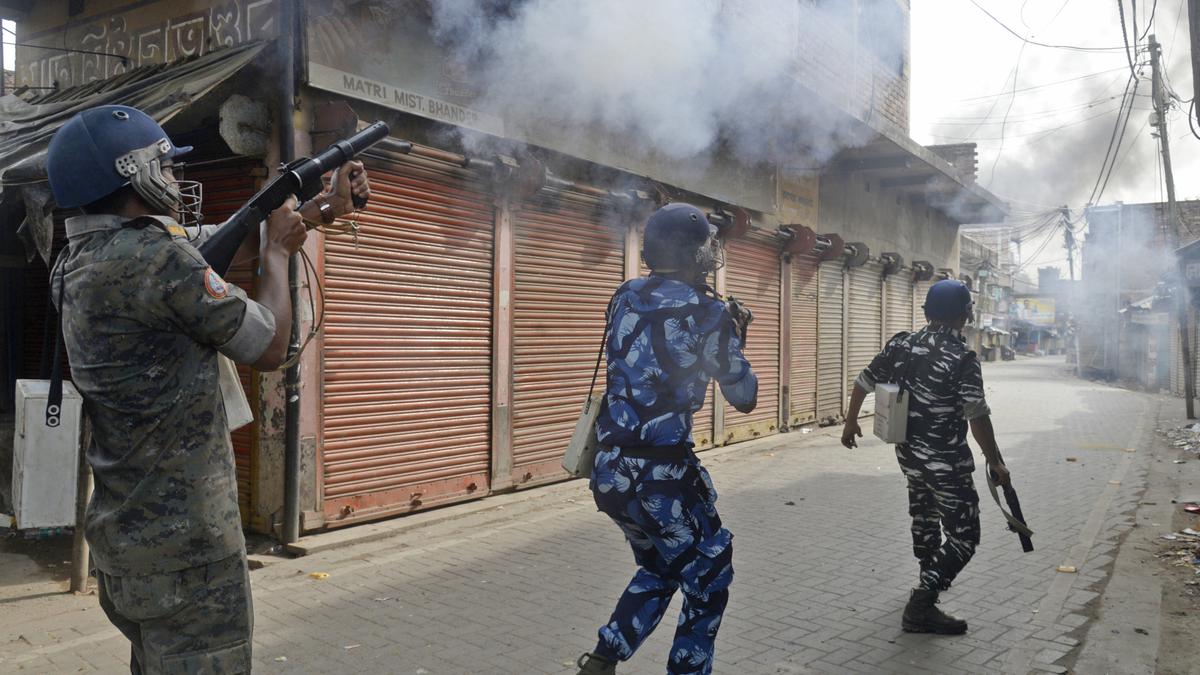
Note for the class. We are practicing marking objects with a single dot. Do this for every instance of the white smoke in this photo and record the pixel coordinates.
(680, 78)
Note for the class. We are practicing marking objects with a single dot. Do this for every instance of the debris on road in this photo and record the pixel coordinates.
(1067, 569)
(319, 576)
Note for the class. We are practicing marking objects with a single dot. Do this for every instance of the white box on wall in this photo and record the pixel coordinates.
(45, 459)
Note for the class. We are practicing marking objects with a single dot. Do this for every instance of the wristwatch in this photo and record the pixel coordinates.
(325, 208)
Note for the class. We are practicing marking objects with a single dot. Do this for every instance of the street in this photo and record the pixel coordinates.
(822, 556)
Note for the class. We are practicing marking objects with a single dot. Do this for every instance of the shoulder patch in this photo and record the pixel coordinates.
(214, 284)
(177, 230)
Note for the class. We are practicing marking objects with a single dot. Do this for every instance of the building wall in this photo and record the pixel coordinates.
(144, 32)
(853, 206)
(839, 57)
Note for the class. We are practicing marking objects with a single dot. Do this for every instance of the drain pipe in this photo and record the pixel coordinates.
(291, 388)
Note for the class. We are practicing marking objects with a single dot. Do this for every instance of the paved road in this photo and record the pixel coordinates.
(823, 565)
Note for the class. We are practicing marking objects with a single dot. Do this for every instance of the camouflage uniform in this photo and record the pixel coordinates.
(144, 318)
(946, 386)
(668, 340)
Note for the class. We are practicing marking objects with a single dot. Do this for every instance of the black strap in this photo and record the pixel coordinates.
(55, 395)
(672, 453)
(603, 339)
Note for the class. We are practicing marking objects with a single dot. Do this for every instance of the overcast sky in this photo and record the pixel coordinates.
(1055, 138)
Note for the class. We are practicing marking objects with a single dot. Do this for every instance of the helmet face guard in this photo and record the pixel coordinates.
(143, 169)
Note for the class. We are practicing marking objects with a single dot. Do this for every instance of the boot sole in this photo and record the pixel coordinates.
(920, 628)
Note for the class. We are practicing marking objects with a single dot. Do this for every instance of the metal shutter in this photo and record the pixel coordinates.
(899, 303)
(830, 315)
(803, 376)
(408, 344)
(227, 185)
(752, 276)
(865, 324)
(921, 288)
(568, 263)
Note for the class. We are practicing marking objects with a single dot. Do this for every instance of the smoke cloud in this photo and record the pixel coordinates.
(679, 78)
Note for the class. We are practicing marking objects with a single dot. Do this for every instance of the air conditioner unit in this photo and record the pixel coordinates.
(45, 458)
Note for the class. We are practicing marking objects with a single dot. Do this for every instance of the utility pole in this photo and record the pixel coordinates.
(1183, 293)
(1068, 239)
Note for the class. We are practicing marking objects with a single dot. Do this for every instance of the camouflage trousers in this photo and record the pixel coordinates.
(195, 620)
(941, 503)
(667, 512)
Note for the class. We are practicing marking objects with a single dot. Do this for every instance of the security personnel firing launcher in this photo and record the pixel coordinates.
(946, 385)
(144, 318)
(669, 337)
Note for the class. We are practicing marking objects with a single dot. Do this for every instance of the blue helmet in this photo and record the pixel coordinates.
(675, 238)
(103, 149)
(948, 300)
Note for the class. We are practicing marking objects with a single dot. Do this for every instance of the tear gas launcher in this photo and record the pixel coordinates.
(1016, 519)
(301, 178)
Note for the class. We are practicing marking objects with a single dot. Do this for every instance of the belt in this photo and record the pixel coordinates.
(671, 453)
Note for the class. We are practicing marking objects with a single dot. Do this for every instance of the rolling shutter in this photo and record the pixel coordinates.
(568, 263)
(830, 313)
(899, 303)
(865, 324)
(752, 276)
(803, 376)
(228, 185)
(408, 344)
(920, 289)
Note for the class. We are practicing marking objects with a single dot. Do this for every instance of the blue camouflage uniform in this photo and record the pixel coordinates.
(667, 340)
(946, 385)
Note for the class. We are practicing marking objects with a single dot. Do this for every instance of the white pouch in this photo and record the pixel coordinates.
(891, 413)
(581, 451)
(237, 409)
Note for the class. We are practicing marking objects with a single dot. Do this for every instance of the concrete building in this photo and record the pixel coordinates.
(1128, 327)
(460, 320)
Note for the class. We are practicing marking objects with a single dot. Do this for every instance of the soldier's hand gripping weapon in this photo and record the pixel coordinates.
(301, 178)
(1016, 519)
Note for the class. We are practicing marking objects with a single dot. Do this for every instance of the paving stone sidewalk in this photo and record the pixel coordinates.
(822, 556)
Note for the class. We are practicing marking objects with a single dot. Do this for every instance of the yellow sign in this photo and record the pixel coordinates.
(1037, 311)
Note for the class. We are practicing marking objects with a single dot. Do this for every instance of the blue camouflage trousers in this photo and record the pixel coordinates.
(667, 511)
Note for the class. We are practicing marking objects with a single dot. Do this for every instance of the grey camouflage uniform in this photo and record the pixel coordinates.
(946, 385)
(144, 318)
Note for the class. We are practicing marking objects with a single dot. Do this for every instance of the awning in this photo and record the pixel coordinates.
(898, 162)
(28, 124)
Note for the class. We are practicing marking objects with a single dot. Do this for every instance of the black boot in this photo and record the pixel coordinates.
(922, 615)
(593, 664)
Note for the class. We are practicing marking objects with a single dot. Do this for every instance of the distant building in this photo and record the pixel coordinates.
(1126, 319)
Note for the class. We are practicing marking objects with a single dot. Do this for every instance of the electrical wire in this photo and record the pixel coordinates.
(1109, 155)
(1124, 37)
(968, 120)
(1149, 23)
(1041, 133)
(1043, 86)
(1022, 38)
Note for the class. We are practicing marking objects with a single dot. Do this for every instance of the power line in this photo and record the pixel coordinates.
(1004, 122)
(1042, 86)
(1026, 40)
(1125, 38)
(1149, 23)
(968, 120)
(1041, 132)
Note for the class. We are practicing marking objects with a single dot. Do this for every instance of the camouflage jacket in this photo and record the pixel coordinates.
(946, 385)
(668, 340)
(143, 319)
